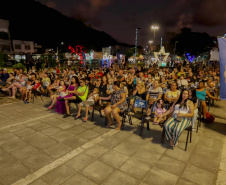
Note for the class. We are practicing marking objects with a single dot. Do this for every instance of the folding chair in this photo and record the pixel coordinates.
(143, 104)
(189, 129)
(35, 94)
(123, 115)
(98, 107)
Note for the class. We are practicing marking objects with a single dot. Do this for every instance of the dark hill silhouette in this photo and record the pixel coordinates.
(30, 20)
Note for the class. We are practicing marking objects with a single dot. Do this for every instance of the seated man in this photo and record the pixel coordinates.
(80, 95)
(4, 77)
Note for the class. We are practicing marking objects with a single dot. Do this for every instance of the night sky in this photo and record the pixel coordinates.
(119, 18)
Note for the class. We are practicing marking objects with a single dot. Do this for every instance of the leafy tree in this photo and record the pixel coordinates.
(3, 59)
(194, 43)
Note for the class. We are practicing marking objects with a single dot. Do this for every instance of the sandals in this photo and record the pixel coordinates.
(171, 143)
(50, 107)
(85, 119)
(79, 115)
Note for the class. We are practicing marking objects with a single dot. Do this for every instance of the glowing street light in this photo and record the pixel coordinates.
(154, 28)
(150, 41)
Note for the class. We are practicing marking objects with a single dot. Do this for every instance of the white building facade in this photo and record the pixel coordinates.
(5, 43)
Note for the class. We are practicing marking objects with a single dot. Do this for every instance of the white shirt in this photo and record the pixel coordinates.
(182, 82)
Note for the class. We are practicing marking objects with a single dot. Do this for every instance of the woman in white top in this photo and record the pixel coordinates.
(18, 84)
(182, 81)
(183, 111)
(154, 93)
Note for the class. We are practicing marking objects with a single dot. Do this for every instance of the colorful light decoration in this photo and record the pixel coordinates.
(107, 60)
(78, 50)
(161, 52)
(189, 57)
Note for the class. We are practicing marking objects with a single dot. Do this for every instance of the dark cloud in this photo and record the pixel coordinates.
(88, 10)
(209, 12)
(119, 18)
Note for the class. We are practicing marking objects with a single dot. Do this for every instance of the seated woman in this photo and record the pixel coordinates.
(124, 87)
(103, 88)
(149, 81)
(138, 93)
(118, 104)
(172, 94)
(129, 82)
(163, 83)
(54, 86)
(192, 96)
(182, 83)
(201, 94)
(154, 93)
(110, 86)
(183, 111)
(18, 84)
(60, 105)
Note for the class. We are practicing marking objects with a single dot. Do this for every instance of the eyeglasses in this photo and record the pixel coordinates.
(80, 82)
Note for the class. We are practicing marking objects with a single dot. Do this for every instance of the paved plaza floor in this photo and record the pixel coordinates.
(39, 147)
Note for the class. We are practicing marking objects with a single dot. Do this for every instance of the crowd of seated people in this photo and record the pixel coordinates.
(180, 87)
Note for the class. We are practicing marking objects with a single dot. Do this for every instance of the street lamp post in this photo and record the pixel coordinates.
(150, 42)
(175, 49)
(154, 28)
(136, 43)
(62, 43)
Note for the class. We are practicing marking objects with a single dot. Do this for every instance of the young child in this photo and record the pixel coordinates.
(34, 88)
(61, 91)
(92, 98)
(28, 89)
(158, 110)
(45, 81)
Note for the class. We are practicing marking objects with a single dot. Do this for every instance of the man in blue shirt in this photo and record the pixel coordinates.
(4, 77)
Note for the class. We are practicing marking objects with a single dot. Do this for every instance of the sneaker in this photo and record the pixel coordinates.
(193, 130)
(66, 115)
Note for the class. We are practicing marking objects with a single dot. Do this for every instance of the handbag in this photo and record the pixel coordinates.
(210, 118)
(179, 119)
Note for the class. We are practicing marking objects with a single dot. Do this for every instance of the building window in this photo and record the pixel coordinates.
(4, 35)
(17, 46)
(27, 47)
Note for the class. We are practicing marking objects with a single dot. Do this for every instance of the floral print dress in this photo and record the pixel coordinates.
(116, 97)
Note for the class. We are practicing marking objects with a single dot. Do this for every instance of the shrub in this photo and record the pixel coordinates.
(19, 66)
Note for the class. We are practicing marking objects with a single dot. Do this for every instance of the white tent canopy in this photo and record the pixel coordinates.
(214, 54)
